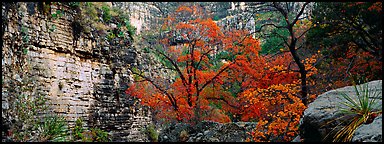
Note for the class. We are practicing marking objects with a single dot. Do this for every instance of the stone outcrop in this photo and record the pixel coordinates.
(83, 76)
(207, 131)
(322, 116)
(372, 132)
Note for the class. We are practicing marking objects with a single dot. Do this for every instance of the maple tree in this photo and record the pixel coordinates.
(275, 88)
(271, 95)
(190, 49)
(292, 33)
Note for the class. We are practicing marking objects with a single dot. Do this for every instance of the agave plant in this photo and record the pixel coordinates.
(362, 110)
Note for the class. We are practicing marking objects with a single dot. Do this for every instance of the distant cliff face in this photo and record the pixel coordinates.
(142, 14)
(83, 76)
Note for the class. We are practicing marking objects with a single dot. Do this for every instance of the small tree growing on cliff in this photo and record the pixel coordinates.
(200, 55)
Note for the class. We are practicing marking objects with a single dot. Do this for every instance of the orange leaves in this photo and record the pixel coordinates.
(338, 71)
(252, 46)
(211, 29)
(218, 116)
(377, 6)
(272, 91)
(282, 107)
(182, 25)
(190, 45)
(184, 9)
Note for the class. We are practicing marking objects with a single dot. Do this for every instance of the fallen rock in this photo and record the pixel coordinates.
(322, 116)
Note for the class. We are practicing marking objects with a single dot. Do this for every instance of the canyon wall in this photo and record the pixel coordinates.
(83, 76)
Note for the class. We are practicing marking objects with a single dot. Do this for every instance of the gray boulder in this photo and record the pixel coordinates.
(322, 116)
(372, 132)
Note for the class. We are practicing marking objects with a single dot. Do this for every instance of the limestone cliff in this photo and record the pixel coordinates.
(82, 75)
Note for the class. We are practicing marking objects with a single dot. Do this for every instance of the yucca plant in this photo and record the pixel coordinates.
(362, 110)
(54, 128)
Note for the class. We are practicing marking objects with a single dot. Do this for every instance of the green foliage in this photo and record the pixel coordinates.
(52, 28)
(54, 128)
(366, 100)
(25, 105)
(46, 7)
(152, 133)
(91, 12)
(147, 50)
(74, 4)
(161, 59)
(216, 18)
(95, 17)
(121, 34)
(131, 29)
(274, 43)
(135, 76)
(272, 37)
(111, 36)
(57, 15)
(24, 34)
(25, 39)
(78, 129)
(26, 110)
(94, 134)
(25, 51)
(100, 135)
(106, 13)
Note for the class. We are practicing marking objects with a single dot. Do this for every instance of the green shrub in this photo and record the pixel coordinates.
(94, 134)
(78, 129)
(111, 36)
(26, 103)
(216, 18)
(131, 29)
(152, 133)
(57, 15)
(100, 135)
(106, 13)
(54, 128)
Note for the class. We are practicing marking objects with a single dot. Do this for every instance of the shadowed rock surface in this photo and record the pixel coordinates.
(207, 131)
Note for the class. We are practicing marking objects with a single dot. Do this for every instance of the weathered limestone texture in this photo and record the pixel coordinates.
(84, 77)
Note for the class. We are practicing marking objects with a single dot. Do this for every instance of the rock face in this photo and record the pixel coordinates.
(83, 77)
(372, 132)
(321, 116)
(207, 131)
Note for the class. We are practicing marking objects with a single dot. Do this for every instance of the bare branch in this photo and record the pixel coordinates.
(300, 13)
(209, 81)
(174, 65)
(170, 96)
(304, 32)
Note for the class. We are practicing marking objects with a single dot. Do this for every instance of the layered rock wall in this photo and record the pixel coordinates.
(80, 76)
